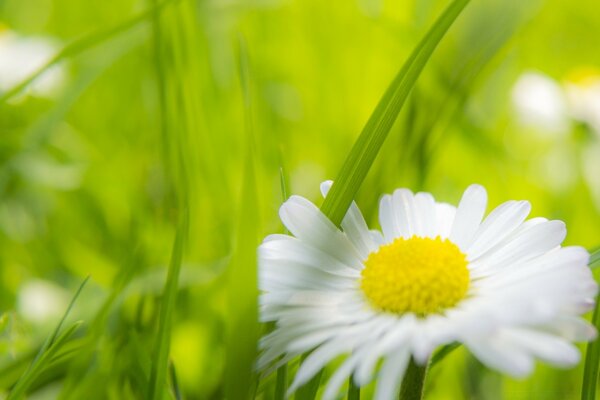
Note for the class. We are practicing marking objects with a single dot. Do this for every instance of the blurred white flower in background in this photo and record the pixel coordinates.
(540, 103)
(551, 107)
(41, 302)
(21, 56)
(583, 93)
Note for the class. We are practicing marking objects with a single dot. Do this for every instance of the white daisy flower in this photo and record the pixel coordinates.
(437, 274)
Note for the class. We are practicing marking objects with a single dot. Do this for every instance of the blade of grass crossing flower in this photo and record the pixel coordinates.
(160, 359)
(243, 328)
(373, 135)
(592, 354)
(49, 349)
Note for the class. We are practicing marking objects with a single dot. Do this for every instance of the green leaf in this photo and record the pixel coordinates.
(380, 123)
(48, 350)
(160, 360)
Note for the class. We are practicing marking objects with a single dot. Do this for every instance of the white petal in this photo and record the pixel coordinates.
(295, 252)
(396, 335)
(426, 215)
(340, 376)
(391, 375)
(316, 361)
(354, 226)
(403, 202)
(445, 214)
(502, 221)
(544, 346)
(573, 328)
(529, 243)
(305, 221)
(387, 220)
(468, 217)
(501, 355)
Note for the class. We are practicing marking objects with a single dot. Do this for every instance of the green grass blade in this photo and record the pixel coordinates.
(44, 357)
(592, 354)
(374, 133)
(160, 361)
(83, 44)
(243, 326)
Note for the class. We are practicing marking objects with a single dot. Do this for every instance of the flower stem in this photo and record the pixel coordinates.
(413, 382)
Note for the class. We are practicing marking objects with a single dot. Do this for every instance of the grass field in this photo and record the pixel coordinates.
(146, 158)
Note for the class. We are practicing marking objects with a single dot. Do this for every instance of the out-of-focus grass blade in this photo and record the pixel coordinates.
(373, 135)
(595, 259)
(243, 327)
(592, 354)
(160, 360)
(46, 354)
(174, 382)
(83, 44)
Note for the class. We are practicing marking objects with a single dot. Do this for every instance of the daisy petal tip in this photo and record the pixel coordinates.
(325, 186)
(476, 189)
(592, 334)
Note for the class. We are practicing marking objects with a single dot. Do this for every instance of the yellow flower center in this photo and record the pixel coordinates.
(419, 275)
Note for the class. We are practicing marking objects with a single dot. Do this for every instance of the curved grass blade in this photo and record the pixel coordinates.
(374, 133)
(83, 44)
(46, 354)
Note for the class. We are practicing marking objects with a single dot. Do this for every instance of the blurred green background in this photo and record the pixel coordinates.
(201, 105)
